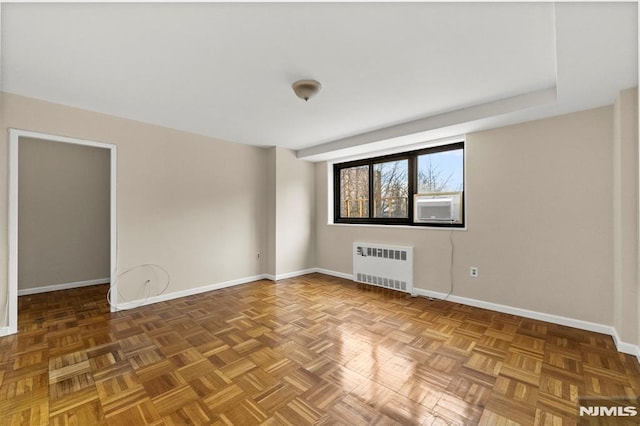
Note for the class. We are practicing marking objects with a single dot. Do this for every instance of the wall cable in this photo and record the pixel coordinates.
(452, 245)
(451, 259)
(147, 285)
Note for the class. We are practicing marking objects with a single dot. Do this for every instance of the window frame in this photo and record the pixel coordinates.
(412, 157)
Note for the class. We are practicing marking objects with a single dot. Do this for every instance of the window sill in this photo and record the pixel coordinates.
(370, 225)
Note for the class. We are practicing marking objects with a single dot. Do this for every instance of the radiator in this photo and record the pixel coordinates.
(383, 266)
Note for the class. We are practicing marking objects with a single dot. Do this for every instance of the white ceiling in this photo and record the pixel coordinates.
(388, 70)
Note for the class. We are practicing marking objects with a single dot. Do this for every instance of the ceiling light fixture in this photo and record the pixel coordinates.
(305, 89)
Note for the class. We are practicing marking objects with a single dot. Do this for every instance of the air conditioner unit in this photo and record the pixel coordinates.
(437, 207)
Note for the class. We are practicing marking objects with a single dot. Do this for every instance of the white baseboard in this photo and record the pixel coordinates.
(189, 292)
(570, 322)
(624, 347)
(293, 274)
(4, 331)
(211, 287)
(64, 286)
(334, 273)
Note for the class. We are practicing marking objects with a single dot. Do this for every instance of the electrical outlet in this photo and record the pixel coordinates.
(473, 272)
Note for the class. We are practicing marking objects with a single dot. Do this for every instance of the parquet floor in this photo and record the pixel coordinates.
(308, 350)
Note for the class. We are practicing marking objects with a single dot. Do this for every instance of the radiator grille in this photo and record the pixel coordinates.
(383, 266)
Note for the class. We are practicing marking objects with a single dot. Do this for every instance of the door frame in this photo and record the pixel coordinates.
(14, 139)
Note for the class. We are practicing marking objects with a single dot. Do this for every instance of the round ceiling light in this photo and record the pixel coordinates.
(305, 89)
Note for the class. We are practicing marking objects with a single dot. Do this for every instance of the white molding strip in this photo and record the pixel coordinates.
(294, 274)
(63, 286)
(334, 273)
(627, 348)
(301, 272)
(4, 331)
(556, 319)
(12, 236)
(189, 292)
(197, 290)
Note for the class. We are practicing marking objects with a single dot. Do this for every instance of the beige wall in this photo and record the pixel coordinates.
(289, 213)
(539, 221)
(295, 213)
(63, 210)
(189, 203)
(625, 218)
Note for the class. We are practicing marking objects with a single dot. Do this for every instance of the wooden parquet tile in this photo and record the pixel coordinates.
(303, 351)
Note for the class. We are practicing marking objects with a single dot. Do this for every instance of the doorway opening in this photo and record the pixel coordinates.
(16, 137)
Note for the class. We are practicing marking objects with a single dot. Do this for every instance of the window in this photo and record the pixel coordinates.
(424, 188)
(354, 192)
(391, 189)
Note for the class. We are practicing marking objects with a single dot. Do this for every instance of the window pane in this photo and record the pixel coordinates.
(391, 189)
(441, 172)
(354, 192)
